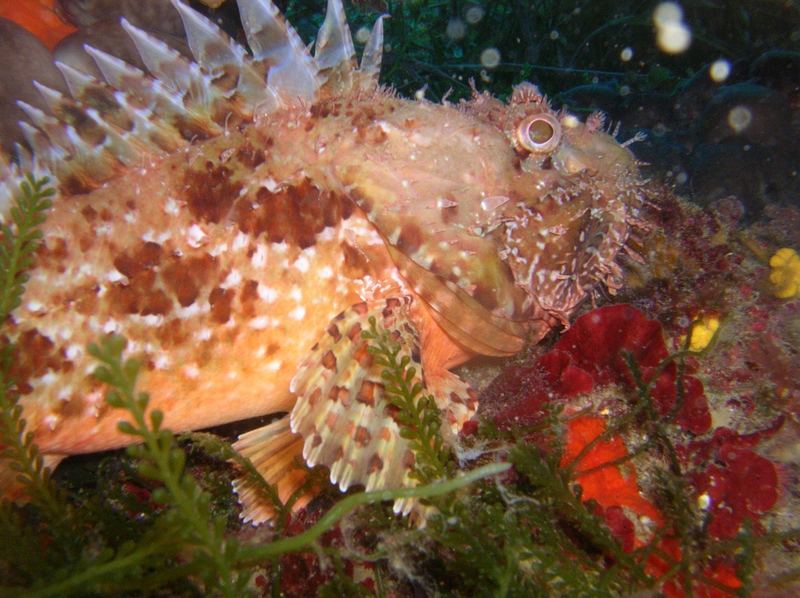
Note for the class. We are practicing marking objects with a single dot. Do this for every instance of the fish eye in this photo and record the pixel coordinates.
(539, 134)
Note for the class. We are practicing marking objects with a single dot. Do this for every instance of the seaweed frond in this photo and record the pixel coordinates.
(21, 238)
(163, 461)
(418, 415)
(18, 242)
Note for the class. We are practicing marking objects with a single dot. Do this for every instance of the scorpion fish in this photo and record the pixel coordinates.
(240, 217)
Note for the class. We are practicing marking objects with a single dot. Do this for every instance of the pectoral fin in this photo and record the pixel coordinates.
(343, 419)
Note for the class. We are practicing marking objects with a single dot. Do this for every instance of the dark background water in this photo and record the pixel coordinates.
(711, 138)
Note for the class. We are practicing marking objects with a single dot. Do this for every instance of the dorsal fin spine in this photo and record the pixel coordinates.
(373, 51)
(292, 71)
(334, 42)
(216, 51)
(134, 113)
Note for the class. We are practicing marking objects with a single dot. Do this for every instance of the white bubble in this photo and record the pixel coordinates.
(362, 35)
(674, 38)
(474, 14)
(739, 118)
(667, 12)
(624, 90)
(456, 29)
(554, 35)
(490, 57)
(626, 54)
(720, 70)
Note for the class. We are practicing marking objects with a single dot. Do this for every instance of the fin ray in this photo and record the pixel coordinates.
(292, 71)
(334, 45)
(216, 51)
(273, 450)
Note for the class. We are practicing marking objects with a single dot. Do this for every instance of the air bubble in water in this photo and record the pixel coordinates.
(490, 57)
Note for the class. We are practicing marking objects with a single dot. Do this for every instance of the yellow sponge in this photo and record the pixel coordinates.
(785, 275)
(703, 330)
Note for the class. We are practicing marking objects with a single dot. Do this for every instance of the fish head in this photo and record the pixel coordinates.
(502, 216)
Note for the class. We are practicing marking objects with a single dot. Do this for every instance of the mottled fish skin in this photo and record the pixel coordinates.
(240, 220)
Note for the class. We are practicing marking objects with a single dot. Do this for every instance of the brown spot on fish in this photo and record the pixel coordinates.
(340, 394)
(294, 215)
(390, 411)
(333, 330)
(35, 356)
(411, 237)
(248, 297)
(139, 297)
(362, 436)
(363, 356)
(52, 253)
(354, 333)
(172, 333)
(72, 407)
(486, 296)
(85, 298)
(375, 464)
(71, 184)
(145, 257)
(220, 300)
(210, 191)
(249, 156)
(366, 394)
(391, 304)
(331, 420)
(89, 213)
(329, 361)
(409, 459)
(184, 276)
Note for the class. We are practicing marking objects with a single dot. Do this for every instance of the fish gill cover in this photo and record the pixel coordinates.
(647, 448)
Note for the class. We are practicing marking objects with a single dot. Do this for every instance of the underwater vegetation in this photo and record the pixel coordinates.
(648, 448)
(595, 469)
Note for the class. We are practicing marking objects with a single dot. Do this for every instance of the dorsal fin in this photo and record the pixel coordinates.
(373, 54)
(292, 71)
(178, 74)
(113, 123)
(90, 127)
(334, 45)
(143, 117)
(226, 60)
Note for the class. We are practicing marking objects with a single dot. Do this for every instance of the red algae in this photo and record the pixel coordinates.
(730, 483)
(601, 478)
(590, 355)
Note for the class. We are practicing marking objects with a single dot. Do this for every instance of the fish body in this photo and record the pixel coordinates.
(241, 234)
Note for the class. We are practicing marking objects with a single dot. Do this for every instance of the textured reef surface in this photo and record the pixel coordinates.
(449, 334)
